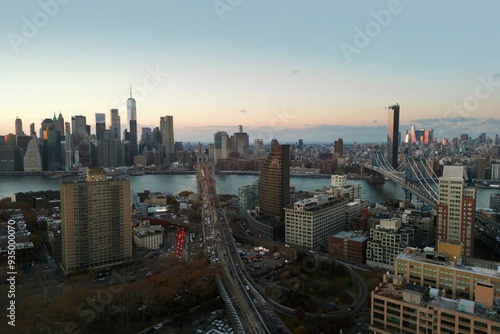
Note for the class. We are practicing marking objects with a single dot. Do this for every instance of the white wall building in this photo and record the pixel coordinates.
(313, 220)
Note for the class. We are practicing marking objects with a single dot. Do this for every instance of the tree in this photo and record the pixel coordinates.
(299, 313)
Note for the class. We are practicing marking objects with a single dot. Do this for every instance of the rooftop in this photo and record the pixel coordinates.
(472, 265)
(395, 287)
(351, 235)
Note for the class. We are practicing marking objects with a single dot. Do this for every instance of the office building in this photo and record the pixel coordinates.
(51, 150)
(100, 125)
(338, 147)
(274, 182)
(79, 129)
(221, 145)
(60, 125)
(115, 125)
(398, 306)
(19, 127)
(258, 148)
(131, 108)
(133, 139)
(393, 136)
(11, 159)
(68, 149)
(240, 142)
(349, 246)
(456, 209)
(167, 137)
(311, 221)
(33, 157)
(96, 225)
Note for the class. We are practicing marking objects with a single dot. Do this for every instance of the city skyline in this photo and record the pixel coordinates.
(287, 72)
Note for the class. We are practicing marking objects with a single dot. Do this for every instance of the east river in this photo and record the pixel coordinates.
(226, 184)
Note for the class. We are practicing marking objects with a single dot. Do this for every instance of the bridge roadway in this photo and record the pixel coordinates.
(257, 317)
(417, 191)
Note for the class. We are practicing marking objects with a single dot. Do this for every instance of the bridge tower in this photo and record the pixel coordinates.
(203, 162)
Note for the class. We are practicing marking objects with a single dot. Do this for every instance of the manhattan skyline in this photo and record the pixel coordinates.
(283, 70)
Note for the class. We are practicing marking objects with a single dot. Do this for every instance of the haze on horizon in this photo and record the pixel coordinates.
(285, 69)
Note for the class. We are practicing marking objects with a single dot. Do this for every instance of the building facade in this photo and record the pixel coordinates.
(456, 209)
(274, 182)
(401, 307)
(349, 246)
(311, 221)
(96, 225)
(393, 136)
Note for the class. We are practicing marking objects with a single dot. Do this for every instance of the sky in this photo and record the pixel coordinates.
(318, 70)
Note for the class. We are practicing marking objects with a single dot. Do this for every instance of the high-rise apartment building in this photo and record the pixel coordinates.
(274, 182)
(96, 223)
(167, 136)
(456, 209)
(393, 135)
(221, 145)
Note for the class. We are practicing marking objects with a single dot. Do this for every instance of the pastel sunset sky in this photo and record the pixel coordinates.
(286, 69)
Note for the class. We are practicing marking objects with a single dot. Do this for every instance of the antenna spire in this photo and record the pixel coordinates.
(130, 90)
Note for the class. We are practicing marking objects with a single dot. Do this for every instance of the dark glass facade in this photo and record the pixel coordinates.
(393, 136)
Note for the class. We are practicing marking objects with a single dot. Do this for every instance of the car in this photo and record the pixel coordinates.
(158, 326)
(311, 251)
(350, 308)
(247, 287)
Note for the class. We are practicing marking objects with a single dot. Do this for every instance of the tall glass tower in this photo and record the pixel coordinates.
(393, 135)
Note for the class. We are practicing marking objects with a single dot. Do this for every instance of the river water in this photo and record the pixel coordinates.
(226, 184)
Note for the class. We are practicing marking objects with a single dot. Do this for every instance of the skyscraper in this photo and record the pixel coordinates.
(60, 124)
(393, 136)
(115, 125)
(96, 222)
(338, 147)
(240, 143)
(19, 127)
(32, 157)
(456, 209)
(132, 123)
(258, 145)
(221, 145)
(131, 108)
(100, 125)
(167, 135)
(79, 129)
(274, 182)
